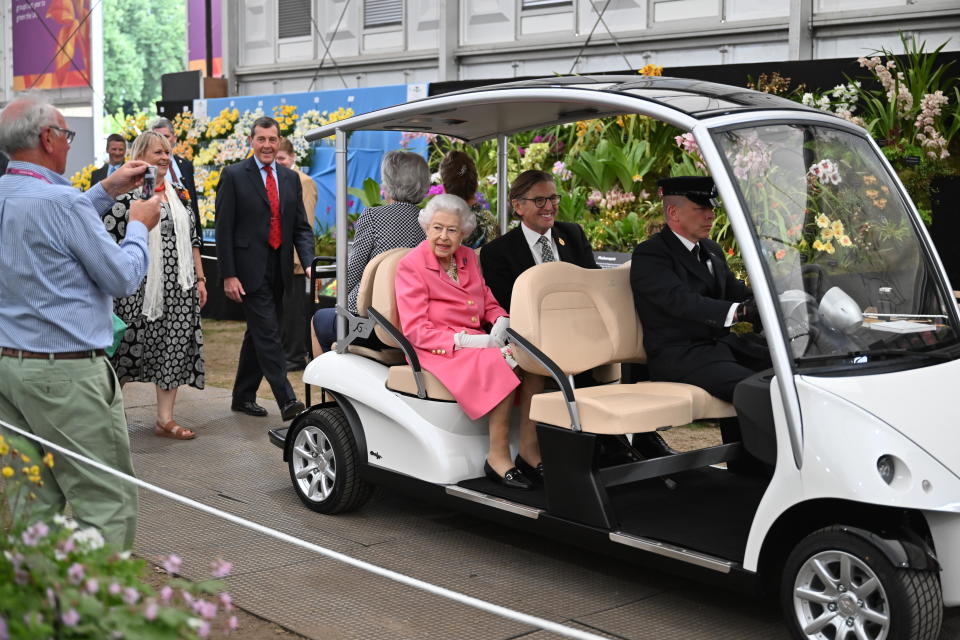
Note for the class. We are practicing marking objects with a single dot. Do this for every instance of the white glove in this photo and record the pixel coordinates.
(499, 330)
(464, 340)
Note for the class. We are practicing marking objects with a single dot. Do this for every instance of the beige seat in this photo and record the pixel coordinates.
(364, 298)
(383, 298)
(585, 318)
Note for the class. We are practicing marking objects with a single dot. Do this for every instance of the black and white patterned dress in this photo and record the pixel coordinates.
(169, 350)
(376, 230)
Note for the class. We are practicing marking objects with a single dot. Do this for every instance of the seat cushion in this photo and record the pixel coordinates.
(385, 356)
(614, 409)
(401, 378)
(705, 406)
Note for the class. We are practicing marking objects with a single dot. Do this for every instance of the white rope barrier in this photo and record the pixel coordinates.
(456, 596)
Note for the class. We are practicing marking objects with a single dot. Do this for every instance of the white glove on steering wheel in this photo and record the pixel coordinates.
(499, 330)
(464, 340)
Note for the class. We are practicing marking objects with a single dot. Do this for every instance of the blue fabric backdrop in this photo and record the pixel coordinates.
(366, 148)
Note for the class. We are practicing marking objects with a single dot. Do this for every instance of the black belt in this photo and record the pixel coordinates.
(65, 355)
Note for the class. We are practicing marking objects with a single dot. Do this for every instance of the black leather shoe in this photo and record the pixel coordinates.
(248, 407)
(290, 410)
(533, 473)
(512, 478)
(651, 445)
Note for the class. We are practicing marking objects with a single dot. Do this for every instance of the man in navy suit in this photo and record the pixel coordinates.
(260, 220)
(687, 298)
(116, 153)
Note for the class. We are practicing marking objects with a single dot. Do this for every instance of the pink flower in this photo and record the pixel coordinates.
(150, 611)
(436, 190)
(172, 563)
(231, 623)
(92, 586)
(75, 573)
(70, 618)
(166, 593)
(203, 629)
(220, 568)
(205, 609)
(227, 601)
(186, 596)
(131, 596)
(35, 533)
(4, 633)
(67, 545)
(114, 588)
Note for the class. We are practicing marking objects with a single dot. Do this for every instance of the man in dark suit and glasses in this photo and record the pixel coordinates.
(260, 220)
(687, 298)
(116, 154)
(181, 167)
(537, 239)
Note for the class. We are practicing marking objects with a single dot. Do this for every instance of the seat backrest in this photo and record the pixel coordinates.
(581, 318)
(384, 298)
(365, 290)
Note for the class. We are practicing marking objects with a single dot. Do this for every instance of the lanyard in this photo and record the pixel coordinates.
(28, 173)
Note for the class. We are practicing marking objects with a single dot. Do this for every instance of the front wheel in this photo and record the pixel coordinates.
(837, 586)
(324, 463)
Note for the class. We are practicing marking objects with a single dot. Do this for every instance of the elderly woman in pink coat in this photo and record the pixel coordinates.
(446, 311)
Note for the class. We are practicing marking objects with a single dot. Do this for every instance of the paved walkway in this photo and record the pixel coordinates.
(232, 466)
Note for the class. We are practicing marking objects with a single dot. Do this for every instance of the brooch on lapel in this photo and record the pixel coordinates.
(561, 242)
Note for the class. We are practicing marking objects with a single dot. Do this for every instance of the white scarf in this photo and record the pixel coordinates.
(186, 276)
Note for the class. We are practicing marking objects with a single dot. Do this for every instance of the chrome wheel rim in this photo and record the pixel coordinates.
(837, 596)
(314, 464)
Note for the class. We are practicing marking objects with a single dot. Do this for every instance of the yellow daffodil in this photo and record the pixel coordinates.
(837, 228)
(818, 245)
(845, 241)
(826, 234)
(48, 460)
(823, 221)
(25, 458)
(4, 448)
(829, 248)
(7, 472)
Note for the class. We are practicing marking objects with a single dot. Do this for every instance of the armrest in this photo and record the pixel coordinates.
(404, 345)
(357, 327)
(563, 381)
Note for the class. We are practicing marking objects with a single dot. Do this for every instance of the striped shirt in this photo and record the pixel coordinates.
(59, 268)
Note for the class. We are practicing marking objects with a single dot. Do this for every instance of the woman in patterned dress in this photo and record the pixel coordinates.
(163, 343)
(405, 180)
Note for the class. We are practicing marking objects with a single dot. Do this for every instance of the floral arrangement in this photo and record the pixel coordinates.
(286, 117)
(81, 179)
(60, 580)
(133, 126)
(222, 125)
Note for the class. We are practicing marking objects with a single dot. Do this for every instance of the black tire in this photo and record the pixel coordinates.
(819, 602)
(324, 463)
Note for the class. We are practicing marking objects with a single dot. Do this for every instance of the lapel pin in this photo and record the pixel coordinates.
(561, 242)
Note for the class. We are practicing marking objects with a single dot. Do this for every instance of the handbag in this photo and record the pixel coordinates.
(119, 327)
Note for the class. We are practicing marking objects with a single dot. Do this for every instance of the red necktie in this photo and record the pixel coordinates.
(274, 199)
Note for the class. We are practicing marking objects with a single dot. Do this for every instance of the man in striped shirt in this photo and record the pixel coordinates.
(60, 272)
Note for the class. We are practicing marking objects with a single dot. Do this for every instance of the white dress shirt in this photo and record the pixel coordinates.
(532, 237)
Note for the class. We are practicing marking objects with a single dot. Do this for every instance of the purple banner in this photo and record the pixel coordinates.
(197, 32)
(51, 44)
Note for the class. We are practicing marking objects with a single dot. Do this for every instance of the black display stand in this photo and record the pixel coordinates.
(945, 201)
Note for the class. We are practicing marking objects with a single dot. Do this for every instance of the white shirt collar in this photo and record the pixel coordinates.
(532, 236)
(273, 165)
(689, 245)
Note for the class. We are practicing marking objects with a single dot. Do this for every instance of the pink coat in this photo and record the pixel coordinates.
(432, 307)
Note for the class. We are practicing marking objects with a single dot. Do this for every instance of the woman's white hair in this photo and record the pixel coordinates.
(405, 176)
(450, 204)
(21, 132)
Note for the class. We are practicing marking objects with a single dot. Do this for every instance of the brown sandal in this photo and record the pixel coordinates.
(173, 430)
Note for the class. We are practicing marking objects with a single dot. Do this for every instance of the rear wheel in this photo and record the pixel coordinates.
(324, 463)
(837, 586)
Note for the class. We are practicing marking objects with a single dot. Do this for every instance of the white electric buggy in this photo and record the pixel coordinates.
(851, 506)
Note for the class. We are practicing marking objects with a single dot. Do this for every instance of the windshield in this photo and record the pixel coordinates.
(854, 283)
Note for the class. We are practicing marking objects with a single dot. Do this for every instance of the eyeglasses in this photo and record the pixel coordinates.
(69, 135)
(541, 201)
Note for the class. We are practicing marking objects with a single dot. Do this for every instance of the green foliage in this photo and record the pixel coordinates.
(60, 581)
(141, 42)
(369, 195)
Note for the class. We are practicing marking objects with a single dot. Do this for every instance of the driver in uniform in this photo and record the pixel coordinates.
(687, 298)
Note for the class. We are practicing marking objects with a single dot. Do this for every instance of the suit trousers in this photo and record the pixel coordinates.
(261, 354)
(78, 405)
(295, 320)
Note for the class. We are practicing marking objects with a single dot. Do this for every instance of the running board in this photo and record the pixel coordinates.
(493, 501)
(674, 552)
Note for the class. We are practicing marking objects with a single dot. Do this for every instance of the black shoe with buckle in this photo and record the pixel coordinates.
(290, 410)
(248, 407)
(534, 473)
(513, 478)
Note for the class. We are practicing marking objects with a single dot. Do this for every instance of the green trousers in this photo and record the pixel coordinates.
(78, 405)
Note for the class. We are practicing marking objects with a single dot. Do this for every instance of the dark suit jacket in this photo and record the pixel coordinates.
(99, 174)
(680, 304)
(243, 224)
(504, 259)
(186, 177)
